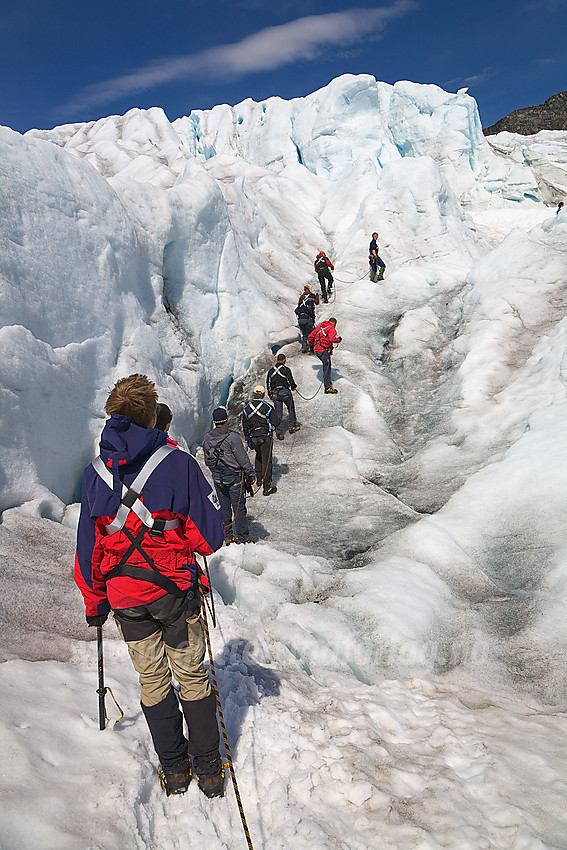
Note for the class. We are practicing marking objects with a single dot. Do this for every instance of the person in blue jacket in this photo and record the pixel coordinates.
(146, 509)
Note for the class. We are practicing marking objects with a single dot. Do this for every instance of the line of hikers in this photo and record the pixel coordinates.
(146, 509)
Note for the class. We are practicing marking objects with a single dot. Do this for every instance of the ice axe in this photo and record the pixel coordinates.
(101, 691)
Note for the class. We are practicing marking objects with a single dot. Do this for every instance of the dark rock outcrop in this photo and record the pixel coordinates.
(551, 115)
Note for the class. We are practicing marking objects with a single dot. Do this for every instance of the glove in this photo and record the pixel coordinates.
(98, 620)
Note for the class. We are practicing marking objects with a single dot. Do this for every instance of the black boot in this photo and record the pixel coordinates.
(210, 774)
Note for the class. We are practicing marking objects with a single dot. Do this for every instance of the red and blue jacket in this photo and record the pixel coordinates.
(176, 490)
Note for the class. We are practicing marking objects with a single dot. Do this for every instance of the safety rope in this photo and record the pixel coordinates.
(221, 718)
(353, 281)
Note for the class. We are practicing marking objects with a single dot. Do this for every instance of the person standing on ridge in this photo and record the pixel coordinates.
(375, 260)
(305, 312)
(259, 419)
(281, 387)
(323, 267)
(233, 475)
(560, 206)
(321, 340)
(146, 509)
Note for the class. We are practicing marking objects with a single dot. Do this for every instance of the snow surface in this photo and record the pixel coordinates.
(391, 653)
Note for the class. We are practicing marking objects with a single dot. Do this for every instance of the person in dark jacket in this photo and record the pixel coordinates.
(323, 267)
(259, 420)
(281, 386)
(321, 339)
(375, 260)
(233, 474)
(146, 509)
(305, 312)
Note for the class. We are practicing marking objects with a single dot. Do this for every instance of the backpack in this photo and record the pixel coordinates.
(321, 264)
(214, 455)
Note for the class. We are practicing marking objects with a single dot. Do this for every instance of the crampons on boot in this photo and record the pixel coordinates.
(176, 781)
(210, 775)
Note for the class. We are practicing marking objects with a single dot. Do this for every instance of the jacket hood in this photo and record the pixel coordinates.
(123, 442)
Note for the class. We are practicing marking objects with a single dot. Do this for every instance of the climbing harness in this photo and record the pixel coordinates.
(130, 502)
(230, 764)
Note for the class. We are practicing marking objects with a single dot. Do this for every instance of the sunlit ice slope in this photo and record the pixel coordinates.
(178, 249)
(400, 621)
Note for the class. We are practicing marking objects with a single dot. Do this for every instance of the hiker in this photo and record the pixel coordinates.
(375, 260)
(146, 509)
(560, 206)
(281, 387)
(233, 475)
(259, 419)
(321, 340)
(164, 417)
(323, 267)
(305, 312)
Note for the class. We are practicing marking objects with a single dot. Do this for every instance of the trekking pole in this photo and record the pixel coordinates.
(101, 689)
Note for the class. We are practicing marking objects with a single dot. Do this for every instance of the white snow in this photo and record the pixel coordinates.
(390, 654)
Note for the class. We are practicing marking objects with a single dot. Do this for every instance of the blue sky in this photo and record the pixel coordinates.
(63, 62)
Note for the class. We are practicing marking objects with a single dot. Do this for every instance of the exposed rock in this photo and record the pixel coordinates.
(551, 115)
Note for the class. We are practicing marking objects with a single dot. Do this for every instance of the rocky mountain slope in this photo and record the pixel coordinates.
(551, 115)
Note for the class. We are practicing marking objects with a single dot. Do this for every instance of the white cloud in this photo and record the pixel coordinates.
(301, 40)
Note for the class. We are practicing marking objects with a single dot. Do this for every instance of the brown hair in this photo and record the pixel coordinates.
(135, 396)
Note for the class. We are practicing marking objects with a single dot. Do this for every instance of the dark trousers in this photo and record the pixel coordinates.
(326, 283)
(263, 462)
(164, 636)
(377, 262)
(231, 494)
(325, 358)
(305, 331)
(283, 396)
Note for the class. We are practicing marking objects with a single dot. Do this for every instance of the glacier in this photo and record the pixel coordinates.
(391, 652)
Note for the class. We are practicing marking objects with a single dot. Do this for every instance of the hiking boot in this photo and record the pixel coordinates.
(281, 436)
(270, 491)
(229, 540)
(212, 786)
(293, 428)
(331, 390)
(246, 541)
(304, 350)
(210, 774)
(176, 782)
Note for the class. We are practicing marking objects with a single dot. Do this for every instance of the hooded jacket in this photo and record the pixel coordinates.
(176, 489)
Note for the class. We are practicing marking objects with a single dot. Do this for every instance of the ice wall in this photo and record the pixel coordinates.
(178, 249)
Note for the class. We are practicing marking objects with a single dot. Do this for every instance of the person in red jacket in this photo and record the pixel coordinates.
(321, 340)
(323, 267)
(146, 509)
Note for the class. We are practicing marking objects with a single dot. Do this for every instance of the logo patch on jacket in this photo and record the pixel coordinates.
(212, 497)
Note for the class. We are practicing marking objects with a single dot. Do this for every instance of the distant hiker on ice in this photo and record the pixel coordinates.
(321, 340)
(259, 420)
(233, 475)
(146, 509)
(560, 206)
(305, 312)
(376, 262)
(281, 387)
(323, 267)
